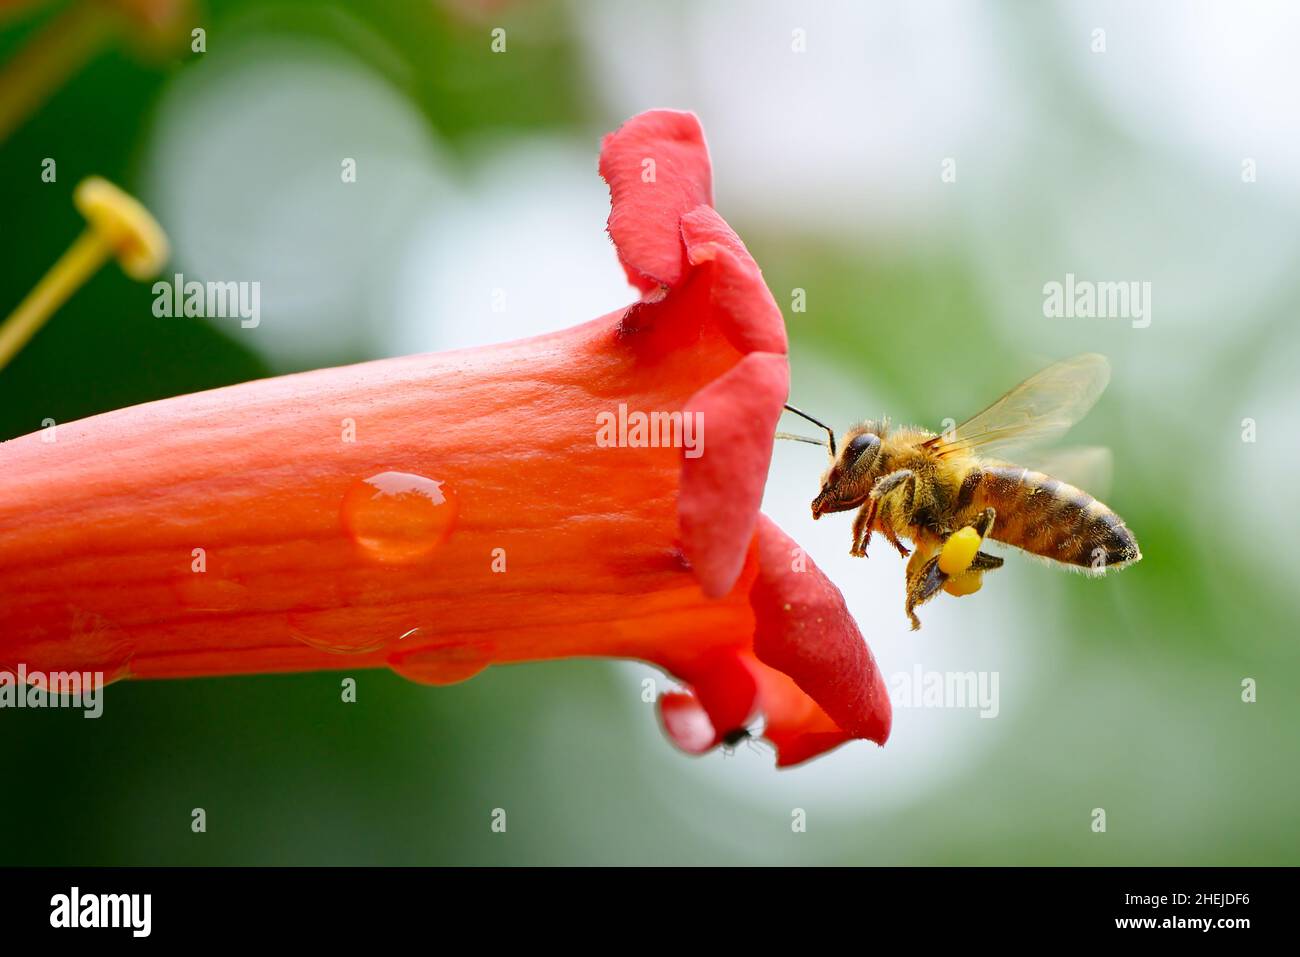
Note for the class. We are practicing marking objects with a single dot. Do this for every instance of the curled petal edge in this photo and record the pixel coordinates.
(810, 674)
(804, 629)
(721, 490)
(657, 167)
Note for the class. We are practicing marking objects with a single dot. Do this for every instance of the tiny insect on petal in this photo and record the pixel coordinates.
(959, 551)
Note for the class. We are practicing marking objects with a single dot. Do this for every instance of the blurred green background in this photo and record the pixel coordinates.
(476, 174)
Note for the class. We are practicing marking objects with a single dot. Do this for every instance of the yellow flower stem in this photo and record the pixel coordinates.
(59, 50)
(82, 260)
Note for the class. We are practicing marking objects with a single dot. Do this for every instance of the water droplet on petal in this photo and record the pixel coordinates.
(442, 666)
(339, 631)
(91, 643)
(398, 516)
(339, 646)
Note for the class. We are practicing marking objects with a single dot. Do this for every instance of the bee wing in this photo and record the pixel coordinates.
(1041, 408)
(1088, 467)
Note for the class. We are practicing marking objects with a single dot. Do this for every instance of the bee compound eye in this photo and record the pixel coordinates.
(860, 444)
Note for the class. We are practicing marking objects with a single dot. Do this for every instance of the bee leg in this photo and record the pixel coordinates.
(984, 562)
(904, 479)
(901, 482)
(925, 579)
(959, 550)
(923, 583)
(862, 529)
(888, 532)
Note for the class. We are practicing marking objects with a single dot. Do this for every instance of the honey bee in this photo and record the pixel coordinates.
(946, 493)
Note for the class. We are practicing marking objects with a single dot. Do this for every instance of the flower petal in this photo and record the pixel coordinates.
(795, 724)
(249, 530)
(657, 168)
(686, 722)
(722, 488)
(749, 316)
(804, 630)
(725, 686)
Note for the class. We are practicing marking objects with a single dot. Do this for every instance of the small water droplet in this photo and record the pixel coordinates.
(398, 516)
(91, 643)
(442, 666)
(337, 647)
(340, 632)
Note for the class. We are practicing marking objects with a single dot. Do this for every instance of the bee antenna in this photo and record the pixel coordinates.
(800, 438)
(830, 433)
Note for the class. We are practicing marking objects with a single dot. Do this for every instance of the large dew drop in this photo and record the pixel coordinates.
(398, 516)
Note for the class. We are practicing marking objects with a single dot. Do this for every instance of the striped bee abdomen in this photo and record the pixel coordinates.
(1053, 519)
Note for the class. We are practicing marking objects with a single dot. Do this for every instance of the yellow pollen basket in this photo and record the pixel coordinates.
(959, 551)
(967, 583)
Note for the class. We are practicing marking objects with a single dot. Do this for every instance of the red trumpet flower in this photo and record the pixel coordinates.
(590, 492)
